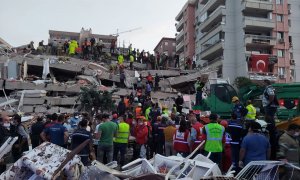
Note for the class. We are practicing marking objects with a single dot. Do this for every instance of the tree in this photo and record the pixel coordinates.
(242, 82)
(92, 100)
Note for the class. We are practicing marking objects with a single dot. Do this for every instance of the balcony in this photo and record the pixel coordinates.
(257, 6)
(179, 25)
(213, 19)
(259, 41)
(206, 36)
(180, 36)
(211, 6)
(262, 76)
(258, 23)
(213, 51)
(215, 63)
(180, 47)
(203, 1)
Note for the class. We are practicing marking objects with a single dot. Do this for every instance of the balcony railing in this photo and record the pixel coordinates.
(262, 37)
(258, 19)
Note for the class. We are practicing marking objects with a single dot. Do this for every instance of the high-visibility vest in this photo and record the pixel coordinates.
(131, 58)
(180, 142)
(251, 112)
(123, 133)
(147, 112)
(198, 127)
(214, 135)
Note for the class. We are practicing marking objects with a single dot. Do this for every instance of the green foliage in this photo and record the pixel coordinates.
(92, 98)
(240, 82)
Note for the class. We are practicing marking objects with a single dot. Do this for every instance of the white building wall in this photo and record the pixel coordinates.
(295, 33)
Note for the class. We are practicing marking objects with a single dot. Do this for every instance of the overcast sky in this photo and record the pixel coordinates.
(24, 20)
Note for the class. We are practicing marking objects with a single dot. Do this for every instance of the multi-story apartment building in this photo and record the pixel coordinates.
(185, 36)
(4, 43)
(166, 45)
(248, 38)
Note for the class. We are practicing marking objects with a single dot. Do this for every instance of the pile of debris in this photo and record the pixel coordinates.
(49, 161)
(43, 83)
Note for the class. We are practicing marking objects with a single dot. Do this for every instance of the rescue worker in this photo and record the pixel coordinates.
(238, 108)
(121, 140)
(196, 132)
(72, 47)
(179, 103)
(198, 88)
(214, 136)
(120, 59)
(235, 129)
(181, 139)
(165, 111)
(141, 133)
(251, 115)
(147, 112)
(131, 60)
(138, 110)
(289, 149)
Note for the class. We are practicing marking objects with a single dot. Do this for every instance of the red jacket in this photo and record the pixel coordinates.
(141, 132)
(198, 126)
(180, 141)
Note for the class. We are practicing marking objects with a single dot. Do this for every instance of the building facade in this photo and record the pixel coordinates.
(167, 46)
(62, 36)
(294, 38)
(250, 38)
(185, 27)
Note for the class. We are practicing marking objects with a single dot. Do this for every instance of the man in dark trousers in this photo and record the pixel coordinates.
(179, 103)
(36, 130)
(235, 129)
(79, 136)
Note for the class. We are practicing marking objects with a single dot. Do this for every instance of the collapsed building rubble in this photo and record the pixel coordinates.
(53, 83)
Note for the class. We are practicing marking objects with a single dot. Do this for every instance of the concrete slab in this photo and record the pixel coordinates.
(40, 109)
(27, 109)
(33, 101)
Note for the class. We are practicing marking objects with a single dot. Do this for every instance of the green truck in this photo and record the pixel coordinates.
(219, 95)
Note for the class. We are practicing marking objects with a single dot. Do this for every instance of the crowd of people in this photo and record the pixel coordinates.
(148, 128)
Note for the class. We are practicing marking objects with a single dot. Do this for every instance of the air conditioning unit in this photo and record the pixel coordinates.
(281, 76)
(281, 40)
(292, 62)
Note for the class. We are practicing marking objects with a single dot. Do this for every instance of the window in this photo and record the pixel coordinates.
(173, 44)
(280, 53)
(280, 35)
(166, 43)
(279, 1)
(289, 22)
(281, 71)
(279, 18)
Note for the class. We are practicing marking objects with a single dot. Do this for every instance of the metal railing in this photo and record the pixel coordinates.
(257, 19)
(262, 37)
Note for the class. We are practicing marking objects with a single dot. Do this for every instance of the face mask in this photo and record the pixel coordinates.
(76, 117)
(6, 125)
(141, 123)
(296, 134)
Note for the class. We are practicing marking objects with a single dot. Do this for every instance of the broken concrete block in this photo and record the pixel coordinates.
(27, 109)
(40, 109)
(33, 101)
